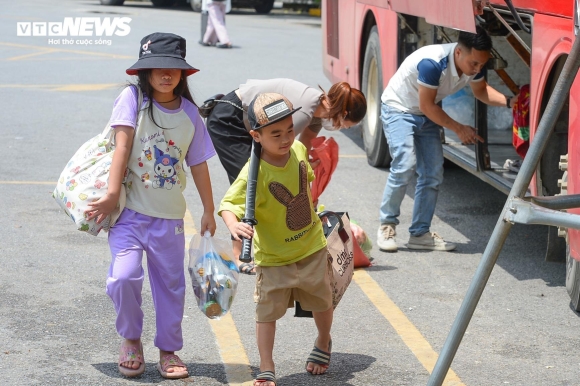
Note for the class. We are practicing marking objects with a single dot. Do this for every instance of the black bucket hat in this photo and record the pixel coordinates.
(161, 50)
(268, 108)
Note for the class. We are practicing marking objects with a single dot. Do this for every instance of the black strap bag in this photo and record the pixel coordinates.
(208, 105)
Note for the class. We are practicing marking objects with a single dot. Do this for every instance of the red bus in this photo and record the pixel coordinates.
(364, 42)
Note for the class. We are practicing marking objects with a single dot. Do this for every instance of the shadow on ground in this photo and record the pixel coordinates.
(342, 370)
(152, 376)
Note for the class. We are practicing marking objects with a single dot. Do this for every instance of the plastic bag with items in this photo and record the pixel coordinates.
(214, 275)
(363, 240)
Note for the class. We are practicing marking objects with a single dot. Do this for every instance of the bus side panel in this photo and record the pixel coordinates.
(552, 37)
(388, 28)
(326, 58)
(340, 68)
(359, 45)
(448, 13)
(574, 161)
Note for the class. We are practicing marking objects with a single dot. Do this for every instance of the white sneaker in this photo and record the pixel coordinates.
(512, 165)
(386, 238)
(431, 242)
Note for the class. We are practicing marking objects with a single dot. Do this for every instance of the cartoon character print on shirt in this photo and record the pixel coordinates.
(164, 170)
(298, 213)
(147, 153)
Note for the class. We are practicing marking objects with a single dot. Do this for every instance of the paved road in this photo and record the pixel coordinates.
(57, 324)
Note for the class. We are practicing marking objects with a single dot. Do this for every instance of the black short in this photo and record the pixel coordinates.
(232, 142)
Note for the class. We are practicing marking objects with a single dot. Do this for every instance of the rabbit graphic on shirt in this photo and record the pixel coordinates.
(298, 208)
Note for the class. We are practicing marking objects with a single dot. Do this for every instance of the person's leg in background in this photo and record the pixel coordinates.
(220, 27)
(399, 130)
(217, 16)
(429, 153)
(210, 37)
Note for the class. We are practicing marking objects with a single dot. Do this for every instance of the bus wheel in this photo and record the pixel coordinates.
(372, 87)
(573, 279)
(264, 7)
(195, 5)
(572, 265)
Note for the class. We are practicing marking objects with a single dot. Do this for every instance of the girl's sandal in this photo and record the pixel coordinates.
(319, 357)
(167, 361)
(131, 353)
(265, 376)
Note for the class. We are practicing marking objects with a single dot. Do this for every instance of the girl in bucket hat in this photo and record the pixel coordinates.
(152, 143)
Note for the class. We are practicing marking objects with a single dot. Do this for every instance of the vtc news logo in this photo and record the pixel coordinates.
(78, 26)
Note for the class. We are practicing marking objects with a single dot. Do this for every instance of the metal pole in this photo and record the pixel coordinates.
(502, 228)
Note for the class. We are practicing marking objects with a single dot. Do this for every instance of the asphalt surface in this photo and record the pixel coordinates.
(57, 323)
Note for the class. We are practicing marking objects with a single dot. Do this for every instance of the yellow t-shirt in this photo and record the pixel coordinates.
(288, 228)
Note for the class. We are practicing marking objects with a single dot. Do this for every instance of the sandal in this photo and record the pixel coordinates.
(131, 353)
(321, 358)
(167, 361)
(247, 268)
(266, 376)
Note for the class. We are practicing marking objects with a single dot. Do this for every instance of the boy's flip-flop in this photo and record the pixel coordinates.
(247, 268)
(265, 376)
(321, 358)
(131, 353)
(166, 362)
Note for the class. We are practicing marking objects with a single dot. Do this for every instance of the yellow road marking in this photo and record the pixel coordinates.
(28, 183)
(236, 362)
(410, 335)
(66, 87)
(232, 352)
(189, 227)
(86, 87)
(53, 50)
(47, 51)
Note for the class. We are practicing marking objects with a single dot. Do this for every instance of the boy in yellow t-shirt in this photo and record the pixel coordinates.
(289, 244)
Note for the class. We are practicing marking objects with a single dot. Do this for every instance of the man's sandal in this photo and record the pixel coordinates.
(131, 353)
(265, 376)
(319, 357)
(167, 361)
(247, 268)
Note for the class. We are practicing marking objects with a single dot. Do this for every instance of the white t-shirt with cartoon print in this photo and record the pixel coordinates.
(156, 165)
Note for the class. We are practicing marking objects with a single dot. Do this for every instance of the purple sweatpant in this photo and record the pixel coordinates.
(164, 242)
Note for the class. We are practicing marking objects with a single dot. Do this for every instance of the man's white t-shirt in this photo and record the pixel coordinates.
(430, 66)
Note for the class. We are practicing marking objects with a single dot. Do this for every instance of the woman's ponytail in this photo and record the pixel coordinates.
(346, 103)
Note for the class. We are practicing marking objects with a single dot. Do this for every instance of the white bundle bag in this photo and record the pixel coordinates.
(85, 179)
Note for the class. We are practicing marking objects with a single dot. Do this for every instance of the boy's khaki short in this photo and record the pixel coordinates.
(306, 281)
